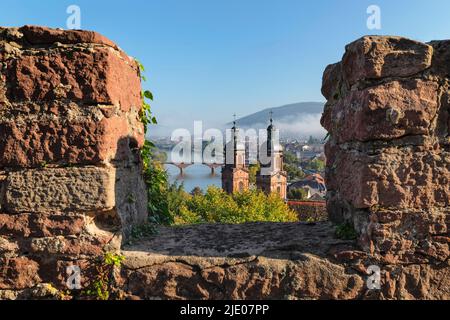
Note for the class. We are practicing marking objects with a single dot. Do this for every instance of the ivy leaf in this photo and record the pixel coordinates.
(148, 95)
(141, 66)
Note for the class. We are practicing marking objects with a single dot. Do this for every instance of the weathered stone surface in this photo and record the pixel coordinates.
(38, 35)
(41, 225)
(98, 76)
(387, 111)
(401, 178)
(267, 261)
(51, 190)
(84, 245)
(30, 141)
(375, 57)
(53, 195)
(417, 282)
(130, 197)
(8, 248)
(251, 261)
(18, 273)
(441, 57)
(331, 81)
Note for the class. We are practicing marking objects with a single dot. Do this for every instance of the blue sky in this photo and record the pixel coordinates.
(208, 59)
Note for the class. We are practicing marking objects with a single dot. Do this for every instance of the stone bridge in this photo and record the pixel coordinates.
(182, 166)
(71, 186)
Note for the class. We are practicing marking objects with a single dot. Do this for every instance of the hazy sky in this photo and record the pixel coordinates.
(207, 59)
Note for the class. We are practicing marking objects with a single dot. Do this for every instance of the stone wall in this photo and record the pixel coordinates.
(309, 211)
(71, 183)
(388, 155)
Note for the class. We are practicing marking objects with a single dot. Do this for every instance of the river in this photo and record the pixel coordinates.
(196, 175)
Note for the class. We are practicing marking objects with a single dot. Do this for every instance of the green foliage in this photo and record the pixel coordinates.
(297, 194)
(102, 287)
(293, 172)
(291, 164)
(155, 175)
(346, 231)
(216, 206)
(113, 259)
(145, 113)
(158, 191)
(252, 171)
(291, 158)
(316, 165)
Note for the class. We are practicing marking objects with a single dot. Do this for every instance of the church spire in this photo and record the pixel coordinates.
(273, 178)
(235, 177)
(271, 115)
(270, 130)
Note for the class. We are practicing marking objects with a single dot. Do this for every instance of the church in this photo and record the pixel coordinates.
(235, 174)
(270, 178)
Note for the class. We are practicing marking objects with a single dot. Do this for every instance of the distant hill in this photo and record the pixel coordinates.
(294, 120)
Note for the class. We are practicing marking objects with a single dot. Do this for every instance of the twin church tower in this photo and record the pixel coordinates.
(270, 178)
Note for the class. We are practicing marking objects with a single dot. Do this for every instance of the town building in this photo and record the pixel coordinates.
(271, 178)
(314, 186)
(235, 174)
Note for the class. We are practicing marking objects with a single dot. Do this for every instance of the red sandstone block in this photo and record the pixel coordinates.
(18, 273)
(100, 75)
(331, 81)
(393, 178)
(37, 35)
(376, 57)
(384, 112)
(85, 245)
(41, 225)
(31, 143)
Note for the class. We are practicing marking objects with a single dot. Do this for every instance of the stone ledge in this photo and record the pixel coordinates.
(267, 261)
(249, 261)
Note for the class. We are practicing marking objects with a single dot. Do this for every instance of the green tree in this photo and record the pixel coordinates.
(291, 158)
(293, 172)
(297, 194)
(216, 206)
(316, 165)
(252, 171)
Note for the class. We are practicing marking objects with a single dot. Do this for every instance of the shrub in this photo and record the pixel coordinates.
(216, 206)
